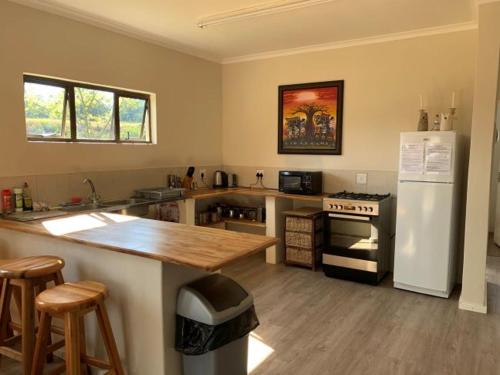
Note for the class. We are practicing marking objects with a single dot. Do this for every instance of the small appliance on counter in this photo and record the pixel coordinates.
(301, 182)
(220, 179)
(233, 180)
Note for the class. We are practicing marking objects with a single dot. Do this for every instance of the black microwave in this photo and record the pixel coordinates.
(301, 182)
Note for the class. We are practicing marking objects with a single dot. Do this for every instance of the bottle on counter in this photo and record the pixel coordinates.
(27, 200)
(18, 199)
(6, 201)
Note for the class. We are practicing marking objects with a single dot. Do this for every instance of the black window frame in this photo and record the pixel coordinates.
(69, 87)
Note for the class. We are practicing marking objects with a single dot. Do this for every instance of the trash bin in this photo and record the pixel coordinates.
(214, 317)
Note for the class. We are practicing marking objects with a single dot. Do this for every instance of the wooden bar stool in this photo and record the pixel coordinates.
(72, 301)
(22, 279)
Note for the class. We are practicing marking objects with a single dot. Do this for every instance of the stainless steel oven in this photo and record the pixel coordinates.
(357, 239)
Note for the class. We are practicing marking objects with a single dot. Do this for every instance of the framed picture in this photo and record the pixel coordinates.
(310, 118)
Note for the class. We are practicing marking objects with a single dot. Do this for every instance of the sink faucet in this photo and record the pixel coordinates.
(94, 198)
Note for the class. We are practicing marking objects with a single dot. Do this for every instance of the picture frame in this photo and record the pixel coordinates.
(310, 118)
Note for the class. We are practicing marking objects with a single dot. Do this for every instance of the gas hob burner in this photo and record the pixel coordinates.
(359, 196)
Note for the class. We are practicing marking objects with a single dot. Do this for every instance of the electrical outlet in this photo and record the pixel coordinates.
(203, 173)
(260, 171)
(361, 178)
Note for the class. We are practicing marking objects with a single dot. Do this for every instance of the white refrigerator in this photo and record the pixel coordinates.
(427, 212)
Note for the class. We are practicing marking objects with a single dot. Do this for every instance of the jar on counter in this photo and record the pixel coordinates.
(6, 201)
(18, 198)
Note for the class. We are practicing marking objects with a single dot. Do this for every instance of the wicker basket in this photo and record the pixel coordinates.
(297, 255)
(303, 240)
(298, 240)
(297, 224)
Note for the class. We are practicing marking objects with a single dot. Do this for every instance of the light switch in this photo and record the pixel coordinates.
(361, 178)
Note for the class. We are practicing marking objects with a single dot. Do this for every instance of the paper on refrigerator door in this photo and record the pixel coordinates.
(412, 158)
(438, 158)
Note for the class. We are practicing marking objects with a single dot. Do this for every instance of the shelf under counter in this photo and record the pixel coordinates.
(246, 222)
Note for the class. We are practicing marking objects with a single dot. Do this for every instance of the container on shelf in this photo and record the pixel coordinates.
(6, 201)
(18, 199)
(27, 200)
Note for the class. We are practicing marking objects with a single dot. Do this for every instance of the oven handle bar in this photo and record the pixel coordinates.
(350, 217)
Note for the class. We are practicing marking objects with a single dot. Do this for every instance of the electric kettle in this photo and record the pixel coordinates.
(220, 179)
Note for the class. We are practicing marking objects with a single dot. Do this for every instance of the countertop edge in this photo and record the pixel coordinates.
(212, 193)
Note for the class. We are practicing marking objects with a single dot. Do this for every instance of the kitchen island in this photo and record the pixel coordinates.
(143, 262)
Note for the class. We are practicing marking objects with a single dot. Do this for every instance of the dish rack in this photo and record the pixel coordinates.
(160, 193)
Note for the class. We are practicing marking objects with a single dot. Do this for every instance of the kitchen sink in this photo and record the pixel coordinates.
(137, 206)
(85, 207)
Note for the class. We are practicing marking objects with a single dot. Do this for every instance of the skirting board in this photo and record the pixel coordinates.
(480, 308)
(416, 289)
(463, 305)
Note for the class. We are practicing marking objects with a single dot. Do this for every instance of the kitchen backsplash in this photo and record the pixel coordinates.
(57, 188)
(333, 180)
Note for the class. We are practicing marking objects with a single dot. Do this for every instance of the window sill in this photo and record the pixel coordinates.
(87, 142)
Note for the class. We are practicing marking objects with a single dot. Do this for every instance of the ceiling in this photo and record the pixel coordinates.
(173, 23)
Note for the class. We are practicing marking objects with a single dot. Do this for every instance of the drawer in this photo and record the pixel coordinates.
(298, 224)
(304, 240)
(298, 255)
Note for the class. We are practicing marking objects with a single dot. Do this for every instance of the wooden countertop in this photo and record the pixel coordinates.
(200, 247)
(211, 193)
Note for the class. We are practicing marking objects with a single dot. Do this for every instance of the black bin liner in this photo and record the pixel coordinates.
(195, 338)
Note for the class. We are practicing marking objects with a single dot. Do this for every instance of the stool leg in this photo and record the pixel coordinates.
(59, 279)
(72, 340)
(83, 346)
(16, 295)
(41, 344)
(50, 356)
(5, 310)
(28, 325)
(109, 340)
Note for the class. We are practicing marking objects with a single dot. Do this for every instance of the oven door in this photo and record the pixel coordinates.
(292, 183)
(351, 236)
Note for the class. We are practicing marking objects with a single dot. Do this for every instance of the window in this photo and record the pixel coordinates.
(58, 110)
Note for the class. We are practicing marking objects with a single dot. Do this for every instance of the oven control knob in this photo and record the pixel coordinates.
(370, 209)
(340, 207)
(360, 208)
(331, 205)
(366, 208)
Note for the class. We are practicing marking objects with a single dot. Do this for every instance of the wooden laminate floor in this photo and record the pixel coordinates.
(322, 326)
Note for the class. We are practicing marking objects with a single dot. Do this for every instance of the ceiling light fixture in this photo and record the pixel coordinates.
(257, 10)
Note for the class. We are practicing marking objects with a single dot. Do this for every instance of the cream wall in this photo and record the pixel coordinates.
(188, 93)
(473, 295)
(382, 86)
(381, 99)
